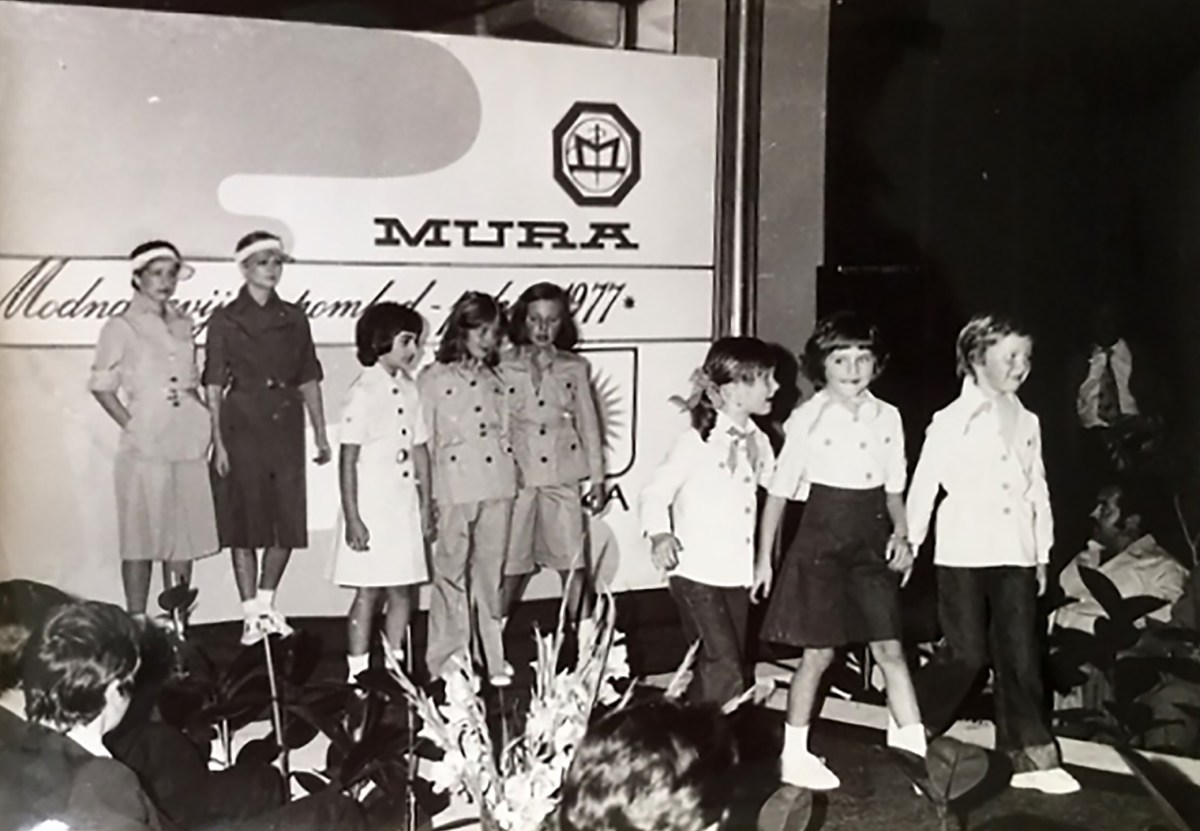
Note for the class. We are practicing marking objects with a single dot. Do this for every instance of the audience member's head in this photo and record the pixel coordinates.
(657, 766)
(80, 666)
(1117, 518)
(24, 605)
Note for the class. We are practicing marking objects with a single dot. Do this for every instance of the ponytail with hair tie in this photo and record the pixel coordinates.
(702, 386)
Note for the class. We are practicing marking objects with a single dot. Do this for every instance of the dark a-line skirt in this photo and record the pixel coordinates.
(834, 587)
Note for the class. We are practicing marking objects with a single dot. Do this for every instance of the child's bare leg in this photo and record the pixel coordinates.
(806, 682)
(275, 561)
(905, 730)
(135, 577)
(245, 572)
(798, 765)
(901, 696)
(360, 619)
(399, 612)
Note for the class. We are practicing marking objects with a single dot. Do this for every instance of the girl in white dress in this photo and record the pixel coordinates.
(384, 477)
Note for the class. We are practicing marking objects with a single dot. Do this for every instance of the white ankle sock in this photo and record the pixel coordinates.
(795, 736)
(267, 598)
(356, 664)
(251, 607)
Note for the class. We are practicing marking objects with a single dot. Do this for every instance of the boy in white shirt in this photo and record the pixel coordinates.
(994, 532)
(698, 510)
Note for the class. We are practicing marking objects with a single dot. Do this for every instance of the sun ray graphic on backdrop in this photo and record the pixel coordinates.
(614, 416)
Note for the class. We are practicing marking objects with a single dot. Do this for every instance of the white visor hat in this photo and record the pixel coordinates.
(160, 252)
(265, 244)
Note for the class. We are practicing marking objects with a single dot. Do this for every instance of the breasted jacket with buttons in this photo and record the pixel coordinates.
(555, 424)
(151, 358)
(260, 356)
(469, 441)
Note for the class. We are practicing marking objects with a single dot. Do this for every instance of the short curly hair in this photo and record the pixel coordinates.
(654, 766)
(69, 663)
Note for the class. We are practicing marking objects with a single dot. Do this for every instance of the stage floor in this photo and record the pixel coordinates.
(874, 795)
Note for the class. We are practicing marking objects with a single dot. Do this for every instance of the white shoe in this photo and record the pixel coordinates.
(1052, 781)
(504, 677)
(805, 770)
(274, 623)
(910, 739)
(252, 630)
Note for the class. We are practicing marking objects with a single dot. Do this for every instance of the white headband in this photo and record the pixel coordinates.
(160, 252)
(265, 244)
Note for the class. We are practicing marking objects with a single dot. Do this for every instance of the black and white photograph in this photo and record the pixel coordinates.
(599, 415)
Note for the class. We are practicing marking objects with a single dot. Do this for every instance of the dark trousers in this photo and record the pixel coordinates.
(990, 610)
(716, 616)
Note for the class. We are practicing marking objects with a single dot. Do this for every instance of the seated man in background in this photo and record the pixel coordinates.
(171, 774)
(654, 766)
(1119, 549)
(77, 672)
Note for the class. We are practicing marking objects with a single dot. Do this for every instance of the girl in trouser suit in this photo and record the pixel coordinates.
(474, 482)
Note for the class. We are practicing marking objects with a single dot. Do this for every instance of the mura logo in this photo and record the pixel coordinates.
(597, 154)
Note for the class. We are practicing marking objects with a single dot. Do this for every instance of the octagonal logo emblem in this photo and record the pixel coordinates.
(597, 154)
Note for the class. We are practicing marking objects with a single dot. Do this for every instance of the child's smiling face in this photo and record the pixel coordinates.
(543, 321)
(849, 370)
(1005, 365)
(405, 353)
(482, 341)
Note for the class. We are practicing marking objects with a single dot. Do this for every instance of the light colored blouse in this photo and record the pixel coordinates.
(997, 506)
(709, 506)
(827, 443)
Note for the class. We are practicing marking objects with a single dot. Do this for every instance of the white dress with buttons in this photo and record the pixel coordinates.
(383, 417)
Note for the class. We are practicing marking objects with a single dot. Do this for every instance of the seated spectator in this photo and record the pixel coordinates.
(655, 766)
(1130, 558)
(77, 672)
(171, 776)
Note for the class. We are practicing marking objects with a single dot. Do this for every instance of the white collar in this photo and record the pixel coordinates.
(85, 736)
(724, 424)
(869, 410)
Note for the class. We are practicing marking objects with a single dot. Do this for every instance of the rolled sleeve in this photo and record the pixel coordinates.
(310, 366)
(356, 416)
(787, 480)
(897, 463)
(110, 351)
(216, 356)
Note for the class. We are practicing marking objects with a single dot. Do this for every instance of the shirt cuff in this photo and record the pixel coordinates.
(104, 380)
